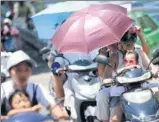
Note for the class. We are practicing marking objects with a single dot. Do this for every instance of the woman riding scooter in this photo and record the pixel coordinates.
(104, 100)
(139, 103)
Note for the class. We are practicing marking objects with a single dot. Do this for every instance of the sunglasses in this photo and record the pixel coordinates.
(129, 61)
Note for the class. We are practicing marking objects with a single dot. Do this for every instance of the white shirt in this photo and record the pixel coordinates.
(41, 95)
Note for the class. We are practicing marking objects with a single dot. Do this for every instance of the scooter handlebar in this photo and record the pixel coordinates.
(124, 80)
(80, 68)
(74, 68)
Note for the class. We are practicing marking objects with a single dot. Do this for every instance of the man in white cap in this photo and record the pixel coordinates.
(20, 66)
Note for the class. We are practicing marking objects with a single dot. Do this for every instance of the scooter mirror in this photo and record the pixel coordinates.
(102, 60)
(44, 50)
(155, 53)
(155, 57)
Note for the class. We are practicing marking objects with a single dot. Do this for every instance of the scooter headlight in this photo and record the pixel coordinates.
(143, 118)
(152, 118)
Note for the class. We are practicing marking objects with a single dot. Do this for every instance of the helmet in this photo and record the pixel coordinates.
(7, 21)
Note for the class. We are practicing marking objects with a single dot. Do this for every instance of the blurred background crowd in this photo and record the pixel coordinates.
(16, 16)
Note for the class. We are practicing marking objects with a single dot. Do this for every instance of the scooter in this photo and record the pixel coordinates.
(28, 117)
(139, 103)
(80, 89)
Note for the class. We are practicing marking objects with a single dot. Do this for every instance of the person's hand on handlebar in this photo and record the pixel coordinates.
(57, 70)
(107, 81)
(59, 112)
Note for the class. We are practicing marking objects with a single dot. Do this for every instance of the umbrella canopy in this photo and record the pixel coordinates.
(91, 28)
(49, 19)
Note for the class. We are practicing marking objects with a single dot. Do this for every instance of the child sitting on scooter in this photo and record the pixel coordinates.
(131, 59)
(20, 102)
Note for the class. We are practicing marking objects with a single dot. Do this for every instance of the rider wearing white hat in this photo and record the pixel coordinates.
(20, 57)
(20, 66)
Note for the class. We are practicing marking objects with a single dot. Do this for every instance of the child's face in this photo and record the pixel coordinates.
(20, 101)
(130, 59)
(21, 73)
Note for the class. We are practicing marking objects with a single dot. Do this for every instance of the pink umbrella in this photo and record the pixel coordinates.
(91, 28)
(112, 7)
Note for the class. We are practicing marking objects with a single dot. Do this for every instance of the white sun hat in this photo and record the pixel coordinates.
(18, 57)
